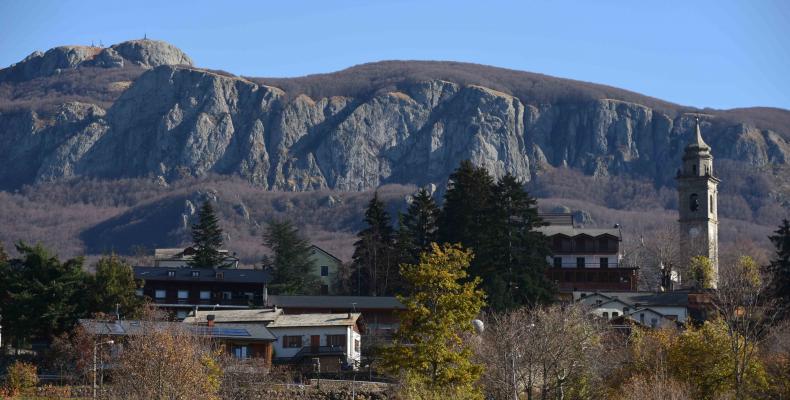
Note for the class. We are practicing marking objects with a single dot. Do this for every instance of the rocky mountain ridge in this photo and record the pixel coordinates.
(176, 120)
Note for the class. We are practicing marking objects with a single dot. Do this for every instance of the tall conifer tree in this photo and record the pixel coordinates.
(207, 239)
(293, 269)
(780, 266)
(375, 263)
(464, 216)
(418, 227)
(516, 252)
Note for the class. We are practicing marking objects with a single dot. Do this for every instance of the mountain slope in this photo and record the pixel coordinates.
(69, 114)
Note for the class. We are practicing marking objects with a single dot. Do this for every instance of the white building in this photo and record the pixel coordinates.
(645, 308)
(302, 336)
(333, 338)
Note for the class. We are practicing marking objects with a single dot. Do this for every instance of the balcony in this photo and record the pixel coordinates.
(572, 278)
(317, 351)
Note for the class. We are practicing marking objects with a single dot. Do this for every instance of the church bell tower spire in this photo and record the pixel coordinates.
(697, 203)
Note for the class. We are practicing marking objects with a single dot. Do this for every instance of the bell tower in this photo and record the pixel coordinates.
(697, 204)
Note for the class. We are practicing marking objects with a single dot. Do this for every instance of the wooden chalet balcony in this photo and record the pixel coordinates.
(568, 279)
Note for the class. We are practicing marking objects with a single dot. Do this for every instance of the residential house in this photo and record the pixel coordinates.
(379, 312)
(182, 289)
(334, 339)
(240, 340)
(644, 308)
(326, 268)
(585, 258)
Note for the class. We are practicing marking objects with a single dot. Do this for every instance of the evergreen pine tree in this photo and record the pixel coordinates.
(515, 253)
(207, 239)
(466, 203)
(780, 265)
(465, 215)
(418, 227)
(113, 286)
(374, 257)
(294, 272)
(42, 296)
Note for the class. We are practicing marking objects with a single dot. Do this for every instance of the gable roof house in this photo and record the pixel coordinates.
(332, 338)
(182, 289)
(240, 340)
(645, 308)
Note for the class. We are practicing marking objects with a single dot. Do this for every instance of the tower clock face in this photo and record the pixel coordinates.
(693, 232)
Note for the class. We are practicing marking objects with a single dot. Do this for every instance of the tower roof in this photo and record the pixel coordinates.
(697, 144)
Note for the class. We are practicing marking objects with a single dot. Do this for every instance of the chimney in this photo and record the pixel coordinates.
(210, 320)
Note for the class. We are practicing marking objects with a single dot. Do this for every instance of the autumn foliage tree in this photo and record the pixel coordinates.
(429, 349)
(168, 361)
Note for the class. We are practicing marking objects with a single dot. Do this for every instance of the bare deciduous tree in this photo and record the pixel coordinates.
(166, 362)
(743, 303)
(539, 351)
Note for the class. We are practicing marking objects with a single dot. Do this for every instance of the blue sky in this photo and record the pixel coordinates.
(719, 54)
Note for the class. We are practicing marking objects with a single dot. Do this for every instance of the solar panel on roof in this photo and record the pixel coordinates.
(232, 332)
(116, 328)
(216, 331)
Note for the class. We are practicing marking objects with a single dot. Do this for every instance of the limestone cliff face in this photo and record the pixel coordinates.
(176, 121)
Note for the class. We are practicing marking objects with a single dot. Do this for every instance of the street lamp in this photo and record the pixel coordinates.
(96, 345)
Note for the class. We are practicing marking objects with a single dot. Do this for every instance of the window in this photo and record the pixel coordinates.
(356, 345)
(642, 318)
(220, 276)
(579, 262)
(615, 314)
(604, 262)
(324, 270)
(159, 294)
(139, 292)
(598, 302)
(181, 314)
(249, 295)
(324, 290)
(694, 169)
(606, 315)
(205, 295)
(557, 262)
(195, 274)
(241, 352)
(693, 202)
(711, 204)
(653, 322)
(171, 273)
(625, 310)
(183, 294)
(292, 341)
(336, 340)
(227, 295)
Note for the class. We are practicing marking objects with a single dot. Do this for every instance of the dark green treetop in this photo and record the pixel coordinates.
(41, 296)
(375, 263)
(780, 265)
(293, 269)
(207, 239)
